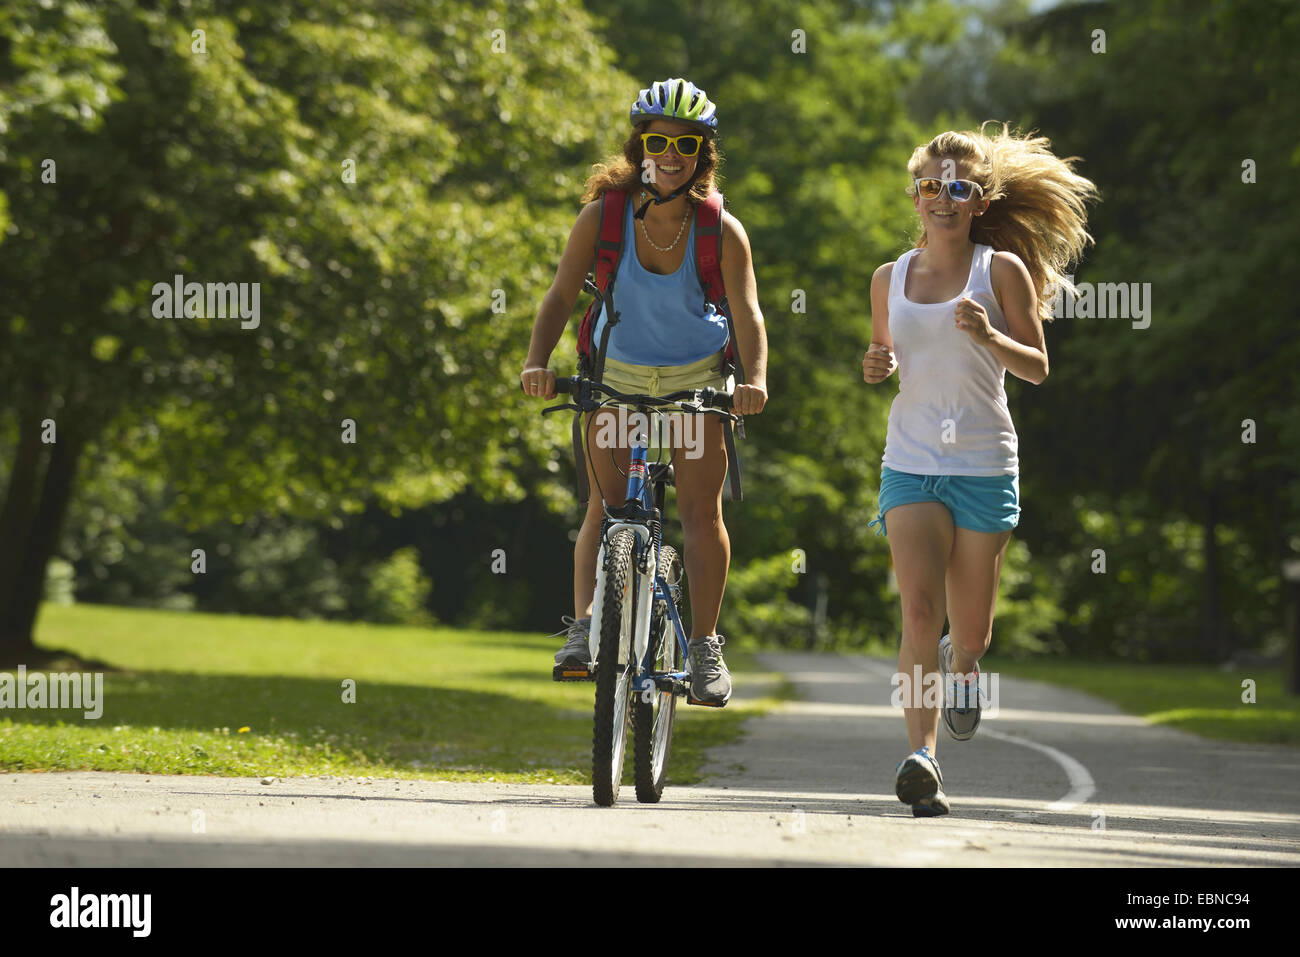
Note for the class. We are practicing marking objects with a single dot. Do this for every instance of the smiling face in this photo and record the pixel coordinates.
(942, 215)
(671, 168)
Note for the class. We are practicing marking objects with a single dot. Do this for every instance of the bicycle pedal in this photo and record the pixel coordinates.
(572, 673)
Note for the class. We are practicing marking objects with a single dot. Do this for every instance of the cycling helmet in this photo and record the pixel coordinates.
(677, 99)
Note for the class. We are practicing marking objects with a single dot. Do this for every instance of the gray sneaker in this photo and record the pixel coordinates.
(710, 679)
(576, 650)
(961, 701)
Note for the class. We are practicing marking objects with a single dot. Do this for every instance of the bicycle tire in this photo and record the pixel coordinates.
(614, 681)
(652, 721)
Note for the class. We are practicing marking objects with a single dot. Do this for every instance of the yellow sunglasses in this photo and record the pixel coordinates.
(656, 144)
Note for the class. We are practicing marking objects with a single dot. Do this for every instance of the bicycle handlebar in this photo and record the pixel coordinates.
(708, 398)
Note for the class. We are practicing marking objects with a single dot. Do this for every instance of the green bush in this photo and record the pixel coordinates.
(1029, 605)
(397, 591)
(280, 570)
(758, 608)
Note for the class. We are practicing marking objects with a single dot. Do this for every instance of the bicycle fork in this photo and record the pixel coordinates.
(643, 580)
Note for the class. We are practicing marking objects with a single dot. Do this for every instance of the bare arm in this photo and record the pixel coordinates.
(742, 296)
(878, 363)
(1024, 351)
(557, 304)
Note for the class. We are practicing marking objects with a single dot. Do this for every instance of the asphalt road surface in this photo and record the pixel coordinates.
(1057, 778)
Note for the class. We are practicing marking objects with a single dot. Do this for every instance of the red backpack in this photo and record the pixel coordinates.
(708, 268)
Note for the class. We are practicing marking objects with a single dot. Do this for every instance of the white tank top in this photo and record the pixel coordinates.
(950, 416)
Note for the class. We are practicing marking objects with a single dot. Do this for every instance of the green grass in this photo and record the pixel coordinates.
(233, 695)
(1197, 698)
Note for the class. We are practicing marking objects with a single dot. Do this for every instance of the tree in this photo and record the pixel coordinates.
(386, 177)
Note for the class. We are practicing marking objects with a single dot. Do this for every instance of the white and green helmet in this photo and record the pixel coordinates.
(677, 99)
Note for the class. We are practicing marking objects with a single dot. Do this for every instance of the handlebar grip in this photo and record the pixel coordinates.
(718, 400)
(563, 386)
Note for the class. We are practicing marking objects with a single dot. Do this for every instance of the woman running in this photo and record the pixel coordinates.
(1001, 219)
(669, 338)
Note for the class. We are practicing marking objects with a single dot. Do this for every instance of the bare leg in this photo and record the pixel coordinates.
(920, 538)
(706, 551)
(974, 569)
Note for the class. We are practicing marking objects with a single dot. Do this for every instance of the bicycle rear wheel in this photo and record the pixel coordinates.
(614, 667)
(652, 721)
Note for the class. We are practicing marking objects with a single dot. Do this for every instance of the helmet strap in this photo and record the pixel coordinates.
(655, 200)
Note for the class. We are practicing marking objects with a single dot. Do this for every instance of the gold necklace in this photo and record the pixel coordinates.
(680, 229)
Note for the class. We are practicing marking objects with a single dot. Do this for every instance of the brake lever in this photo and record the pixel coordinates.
(561, 408)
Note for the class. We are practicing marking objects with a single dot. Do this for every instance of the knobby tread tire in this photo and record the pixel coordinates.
(620, 586)
(650, 786)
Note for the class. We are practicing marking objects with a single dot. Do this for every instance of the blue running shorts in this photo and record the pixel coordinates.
(981, 503)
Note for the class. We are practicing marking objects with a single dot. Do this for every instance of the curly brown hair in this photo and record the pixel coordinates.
(624, 172)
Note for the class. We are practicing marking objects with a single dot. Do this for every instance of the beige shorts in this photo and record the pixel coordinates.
(660, 380)
(665, 429)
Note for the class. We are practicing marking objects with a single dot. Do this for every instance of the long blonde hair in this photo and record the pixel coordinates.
(1036, 201)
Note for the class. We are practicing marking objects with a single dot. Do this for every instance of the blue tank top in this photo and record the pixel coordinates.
(663, 320)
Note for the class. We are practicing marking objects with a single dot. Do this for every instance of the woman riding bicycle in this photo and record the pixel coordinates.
(1001, 219)
(669, 338)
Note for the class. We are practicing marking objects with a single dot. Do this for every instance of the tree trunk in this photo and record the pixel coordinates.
(16, 645)
(16, 521)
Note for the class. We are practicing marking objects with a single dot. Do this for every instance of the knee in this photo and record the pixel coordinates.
(922, 613)
(972, 644)
(700, 518)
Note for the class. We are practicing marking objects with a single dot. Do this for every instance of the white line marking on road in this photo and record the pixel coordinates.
(843, 710)
(1082, 785)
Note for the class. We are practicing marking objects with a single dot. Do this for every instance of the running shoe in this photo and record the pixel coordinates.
(961, 698)
(710, 679)
(918, 777)
(577, 650)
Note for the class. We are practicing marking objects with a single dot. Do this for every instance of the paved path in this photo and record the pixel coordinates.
(1056, 779)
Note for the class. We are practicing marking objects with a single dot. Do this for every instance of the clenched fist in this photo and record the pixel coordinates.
(878, 363)
(538, 381)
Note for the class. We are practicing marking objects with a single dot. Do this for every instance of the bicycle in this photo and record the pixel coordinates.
(637, 641)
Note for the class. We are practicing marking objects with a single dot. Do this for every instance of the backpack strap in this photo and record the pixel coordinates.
(609, 247)
(708, 266)
(733, 461)
(580, 461)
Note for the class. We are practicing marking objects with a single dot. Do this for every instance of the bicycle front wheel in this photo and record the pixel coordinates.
(614, 668)
(652, 712)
